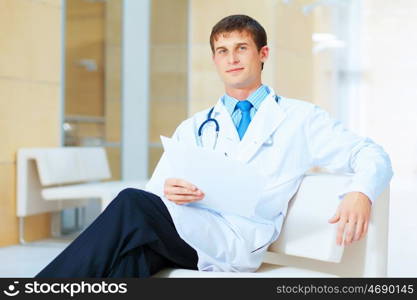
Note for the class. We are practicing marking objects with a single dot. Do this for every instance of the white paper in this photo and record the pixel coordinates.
(229, 185)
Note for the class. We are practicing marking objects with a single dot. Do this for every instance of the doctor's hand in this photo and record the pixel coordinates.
(181, 191)
(353, 216)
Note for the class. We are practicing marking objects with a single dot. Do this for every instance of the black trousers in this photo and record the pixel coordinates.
(133, 237)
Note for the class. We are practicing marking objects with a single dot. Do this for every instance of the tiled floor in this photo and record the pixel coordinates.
(27, 260)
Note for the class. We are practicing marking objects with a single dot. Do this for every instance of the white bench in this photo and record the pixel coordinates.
(307, 246)
(52, 179)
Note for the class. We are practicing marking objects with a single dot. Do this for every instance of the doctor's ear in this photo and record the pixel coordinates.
(264, 53)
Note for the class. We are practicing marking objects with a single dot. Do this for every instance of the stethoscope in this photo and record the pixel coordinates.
(210, 119)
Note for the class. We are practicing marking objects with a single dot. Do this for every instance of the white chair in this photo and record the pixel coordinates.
(307, 246)
(52, 179)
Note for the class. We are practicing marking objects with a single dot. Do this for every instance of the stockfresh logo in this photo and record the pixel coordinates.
(11, 289)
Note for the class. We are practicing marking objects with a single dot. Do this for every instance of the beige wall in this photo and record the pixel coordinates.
(93, 32)
(30, 60)
(168, 71)
(84, 90)
(294, 62)
(112, 79)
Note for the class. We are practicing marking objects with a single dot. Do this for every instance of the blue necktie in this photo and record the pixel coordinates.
(244, 107)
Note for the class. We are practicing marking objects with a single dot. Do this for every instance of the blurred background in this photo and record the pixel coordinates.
(120, 73)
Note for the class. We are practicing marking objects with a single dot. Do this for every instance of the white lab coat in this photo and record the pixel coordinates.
(283, 141)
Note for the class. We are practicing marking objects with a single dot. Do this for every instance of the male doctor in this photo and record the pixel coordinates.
(142, 232)
(283, 139)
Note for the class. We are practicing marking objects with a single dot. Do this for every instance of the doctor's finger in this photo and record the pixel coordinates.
(335, 218)
(183, 183)
(184, 198)
(349, 231)
(186, 191)
(358, 231)
(181, 191)
(365, 229)
(184, 202)
(180, 202)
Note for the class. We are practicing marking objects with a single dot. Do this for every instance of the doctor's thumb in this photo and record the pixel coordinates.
(335, 218)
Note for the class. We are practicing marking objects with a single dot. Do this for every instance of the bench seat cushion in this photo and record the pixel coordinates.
(89, 190)
(266, 271)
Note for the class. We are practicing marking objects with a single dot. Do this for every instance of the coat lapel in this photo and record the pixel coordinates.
(228, 137)
(227, 128)
(265, 122)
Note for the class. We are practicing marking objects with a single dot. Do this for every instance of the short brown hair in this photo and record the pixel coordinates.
(239, 23)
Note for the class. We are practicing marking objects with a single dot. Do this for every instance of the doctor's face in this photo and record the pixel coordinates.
(238, 60)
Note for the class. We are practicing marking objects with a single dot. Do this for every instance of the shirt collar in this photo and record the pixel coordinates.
(255, 98)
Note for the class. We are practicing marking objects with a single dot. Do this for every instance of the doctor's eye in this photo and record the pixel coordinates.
(243, 48)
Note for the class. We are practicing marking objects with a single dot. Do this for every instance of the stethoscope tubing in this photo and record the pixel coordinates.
(210, 119)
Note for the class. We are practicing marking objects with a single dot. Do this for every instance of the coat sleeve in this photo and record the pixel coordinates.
(337, 149)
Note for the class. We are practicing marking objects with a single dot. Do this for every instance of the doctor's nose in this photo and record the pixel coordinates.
(232, 58)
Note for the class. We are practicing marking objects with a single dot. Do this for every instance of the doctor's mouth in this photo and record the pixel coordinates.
(235, 70)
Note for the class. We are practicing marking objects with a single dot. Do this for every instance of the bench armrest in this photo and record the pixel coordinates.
(306, 231)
